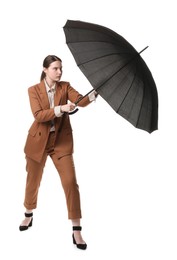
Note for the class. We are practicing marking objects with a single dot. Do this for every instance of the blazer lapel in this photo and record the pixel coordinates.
(44, 97)
(43, 94)
(58, 95)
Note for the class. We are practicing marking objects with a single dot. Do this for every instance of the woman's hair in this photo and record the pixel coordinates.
(46, 63)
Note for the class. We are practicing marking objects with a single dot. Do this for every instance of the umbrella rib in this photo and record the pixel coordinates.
(126, 96)
(103, 56)
(110, 54)
(140, 109)
(126, 93)
(137, 55)
(116, 72)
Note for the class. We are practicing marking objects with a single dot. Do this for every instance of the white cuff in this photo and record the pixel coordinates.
(92, 96)
(57, 111)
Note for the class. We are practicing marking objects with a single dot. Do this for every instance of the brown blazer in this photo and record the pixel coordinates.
(39, 131)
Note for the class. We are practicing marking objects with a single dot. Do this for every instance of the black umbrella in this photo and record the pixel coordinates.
(116, 71)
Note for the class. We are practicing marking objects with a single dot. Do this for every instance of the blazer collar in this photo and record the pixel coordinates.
(53, 88)
(44, 95)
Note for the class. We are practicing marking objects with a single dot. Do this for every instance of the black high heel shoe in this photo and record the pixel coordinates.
(80, 246)
(27, 215)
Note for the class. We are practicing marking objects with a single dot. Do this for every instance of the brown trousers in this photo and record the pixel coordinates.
(66, 170)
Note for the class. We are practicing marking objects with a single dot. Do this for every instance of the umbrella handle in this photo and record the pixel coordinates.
(74, 111)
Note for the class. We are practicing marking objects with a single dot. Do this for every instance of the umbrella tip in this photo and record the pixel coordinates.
(143, 49)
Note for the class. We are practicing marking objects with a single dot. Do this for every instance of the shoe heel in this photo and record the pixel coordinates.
(74, 241)
(31, 223)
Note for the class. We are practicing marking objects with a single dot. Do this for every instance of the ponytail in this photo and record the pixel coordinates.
(42, 75)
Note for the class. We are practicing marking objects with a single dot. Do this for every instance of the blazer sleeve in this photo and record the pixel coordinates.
(40, 113)
(74, 96)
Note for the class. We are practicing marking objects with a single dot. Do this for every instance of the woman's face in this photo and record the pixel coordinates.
(54, 71)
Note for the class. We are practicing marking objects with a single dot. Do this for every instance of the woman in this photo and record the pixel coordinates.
(51, 134)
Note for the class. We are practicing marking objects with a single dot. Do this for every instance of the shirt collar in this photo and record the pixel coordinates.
(48, 89)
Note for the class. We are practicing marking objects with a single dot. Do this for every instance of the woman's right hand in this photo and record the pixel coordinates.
(67, 108)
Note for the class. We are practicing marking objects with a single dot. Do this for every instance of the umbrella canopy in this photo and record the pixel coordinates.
(116, 71)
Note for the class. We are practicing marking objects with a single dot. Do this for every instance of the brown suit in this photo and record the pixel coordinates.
(59, 145)
(43, 114)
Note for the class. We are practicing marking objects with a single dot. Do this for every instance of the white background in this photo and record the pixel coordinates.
(127, 177)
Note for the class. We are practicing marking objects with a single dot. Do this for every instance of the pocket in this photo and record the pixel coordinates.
(33, 129)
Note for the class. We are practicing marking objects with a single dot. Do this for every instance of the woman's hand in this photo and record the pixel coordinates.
(67, 108)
